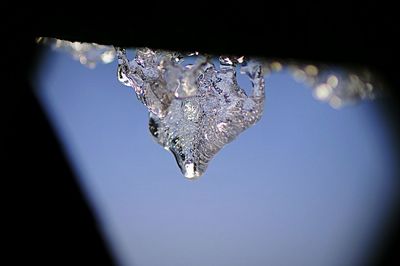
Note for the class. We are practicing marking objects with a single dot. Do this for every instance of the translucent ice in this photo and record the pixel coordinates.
(88, 54)
(338, 86)
(194, 109)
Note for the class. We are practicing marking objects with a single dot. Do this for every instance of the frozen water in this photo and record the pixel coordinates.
(88, 54)
(338, 86)
(195, 109)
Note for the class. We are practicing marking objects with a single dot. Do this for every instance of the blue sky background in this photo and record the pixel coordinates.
(307, 185)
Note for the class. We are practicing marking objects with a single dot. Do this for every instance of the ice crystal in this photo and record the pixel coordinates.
(195, 109)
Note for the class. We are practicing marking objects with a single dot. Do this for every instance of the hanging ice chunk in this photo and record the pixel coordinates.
(196, 109)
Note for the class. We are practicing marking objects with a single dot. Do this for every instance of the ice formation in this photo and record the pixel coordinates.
(195, 109)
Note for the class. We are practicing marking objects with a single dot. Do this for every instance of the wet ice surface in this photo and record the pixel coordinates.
(195, 109)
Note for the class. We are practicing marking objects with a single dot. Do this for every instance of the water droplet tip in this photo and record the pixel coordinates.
(190, 172)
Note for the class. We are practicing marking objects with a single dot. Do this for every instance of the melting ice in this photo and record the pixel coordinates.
(195, 109)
